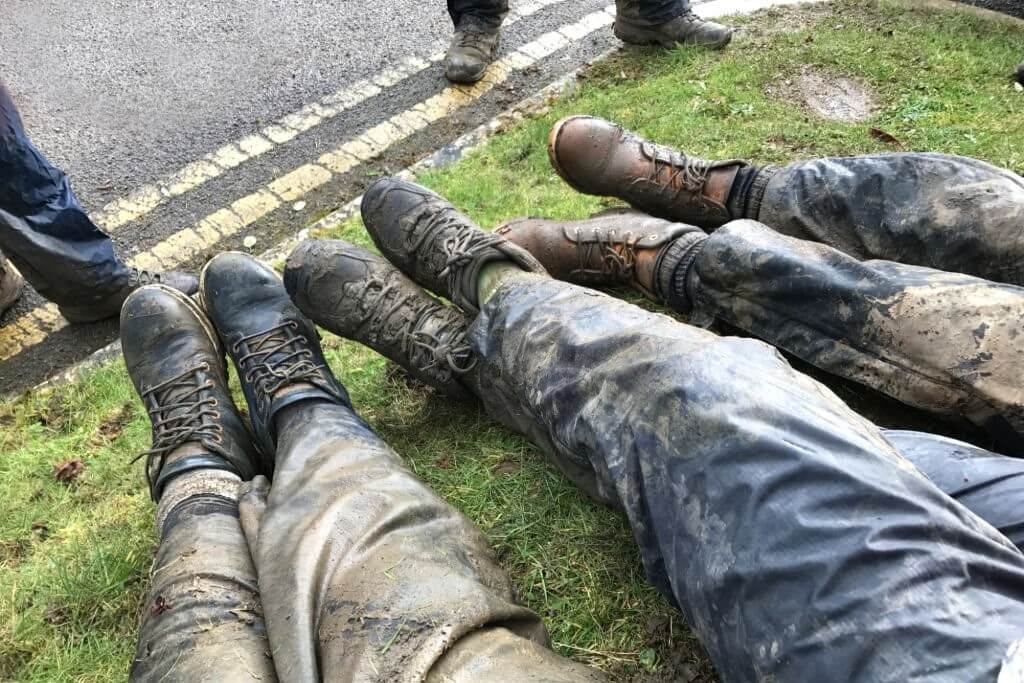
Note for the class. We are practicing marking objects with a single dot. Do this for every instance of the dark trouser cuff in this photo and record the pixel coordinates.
(673, 270)
(752, 205)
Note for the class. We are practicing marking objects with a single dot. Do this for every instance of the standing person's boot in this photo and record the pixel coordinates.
(472, 49)
(107, 306)
(601, 158)
(432, 242)
(647, 22)
(611, 249)
(202, 608)
(360, 296)
(274, 347)
(1020, 73)
(11, 284)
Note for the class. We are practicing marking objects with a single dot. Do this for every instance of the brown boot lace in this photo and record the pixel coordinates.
(275, 358)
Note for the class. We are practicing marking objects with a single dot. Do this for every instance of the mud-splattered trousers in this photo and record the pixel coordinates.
(44, 230)
(946, 212)
(651, 12)
(347, 568)
(797, 541)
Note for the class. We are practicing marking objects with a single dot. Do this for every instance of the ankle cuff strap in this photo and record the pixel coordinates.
(188, 464)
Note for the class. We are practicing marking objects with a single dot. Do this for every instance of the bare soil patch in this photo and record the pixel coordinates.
(832, 97)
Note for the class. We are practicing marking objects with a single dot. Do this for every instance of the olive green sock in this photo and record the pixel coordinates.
(494, 275)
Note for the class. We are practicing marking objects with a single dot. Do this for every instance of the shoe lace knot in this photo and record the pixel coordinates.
(673, 172)
(405, 318)
(182, 409)
(276, 357)
(614, 257)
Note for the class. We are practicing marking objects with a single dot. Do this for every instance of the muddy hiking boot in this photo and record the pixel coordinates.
(597, 157)
(274, 347)
(620, 247)
(472, 49)
(685, 29)
(11, 284)
(360, 296)
(108, 307)
(177, 366)
(432, 243)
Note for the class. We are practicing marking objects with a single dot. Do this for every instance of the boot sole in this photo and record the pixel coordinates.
(636, 35)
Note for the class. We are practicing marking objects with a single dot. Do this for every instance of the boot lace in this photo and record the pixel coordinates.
(182, 410)
(464, 245)
(615, 258)
(673, 173)
(276, 357)
(445, 349)
(472, 33)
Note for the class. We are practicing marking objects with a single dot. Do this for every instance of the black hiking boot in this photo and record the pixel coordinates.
(274, 347)
(108, 307)
(360, 296)
(472, 49)
(11, 284)
(431, 242)
(686, 29)
(176, 365)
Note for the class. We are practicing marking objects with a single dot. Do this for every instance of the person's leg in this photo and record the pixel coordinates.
(990, 485)
(667, 23)
(797, 541)
(365, 573)
(202, 619)
(477, 36)
(942, 342)
(358, 295)
(46, 233)
(934, 210)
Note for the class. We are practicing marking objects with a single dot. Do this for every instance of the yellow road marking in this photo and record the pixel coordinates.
(189, 242)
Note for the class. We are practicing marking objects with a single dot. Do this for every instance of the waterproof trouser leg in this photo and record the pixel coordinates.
(44, 230)
(650, 12)
(795, 539)
(988, 484)
(943, 342)
(202, 620)
(490, 11)
(366, 575)
(945, 212)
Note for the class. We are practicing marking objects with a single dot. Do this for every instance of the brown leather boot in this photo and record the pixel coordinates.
(620, 247)
(598, 157)
(11, 284)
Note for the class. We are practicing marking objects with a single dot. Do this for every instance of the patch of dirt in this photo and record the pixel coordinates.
(113, 424)
(67, 472)
(836, 98)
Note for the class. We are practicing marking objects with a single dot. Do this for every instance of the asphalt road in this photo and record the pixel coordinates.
(123, 93)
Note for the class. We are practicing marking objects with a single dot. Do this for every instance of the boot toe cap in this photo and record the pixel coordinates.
(579, 147)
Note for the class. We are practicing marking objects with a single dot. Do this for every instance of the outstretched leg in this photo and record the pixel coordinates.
(797, 541)
(934, 210)
(202, 619)
(365, 574)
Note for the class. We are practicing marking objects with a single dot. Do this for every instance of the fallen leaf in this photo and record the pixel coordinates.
(67, 472)
(443, 463)
(507, 467)
(879, 134)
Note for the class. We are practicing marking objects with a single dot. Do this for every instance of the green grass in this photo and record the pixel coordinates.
(74, 557)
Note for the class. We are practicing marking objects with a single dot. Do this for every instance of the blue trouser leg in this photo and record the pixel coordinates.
(43, 229)
(935, 210)
(939, 341)
(799, 544)
(989, 484)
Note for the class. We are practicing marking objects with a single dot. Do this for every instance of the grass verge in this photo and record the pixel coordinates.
(74, 555)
